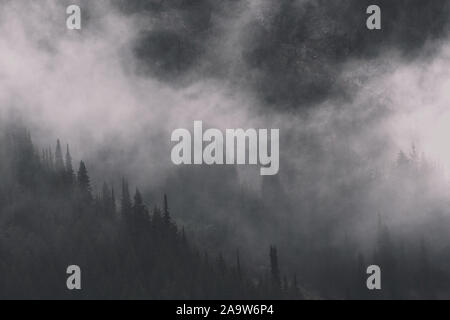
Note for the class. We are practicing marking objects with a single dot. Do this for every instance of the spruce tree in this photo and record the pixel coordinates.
(274, 270)
(50, 159)
(70, 175)
(157, 219)
(126, 200)
(139, 207)
(166, 214)
(59, 163)
(84, 183)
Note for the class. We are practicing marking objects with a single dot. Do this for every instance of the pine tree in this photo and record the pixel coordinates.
(70, 175)
(157, 219)
(59, 163)
(50, 159)
(166, 214)
(274, 270)
(139, 210)
(138, 203)
(84, 183)
(126, 199)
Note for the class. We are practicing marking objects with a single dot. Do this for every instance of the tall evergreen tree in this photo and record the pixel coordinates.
(139, 210)
(59, 163)
(126, 199)
(50, 159)
(157, 219)
(166, 214)
(84, 183)
(274, 269)
(70, 175)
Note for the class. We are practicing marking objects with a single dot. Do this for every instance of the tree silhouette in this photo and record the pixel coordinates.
(70, 175)
(166, 213)
(274, 269)
(59, 162)
(126, 200)
(84, 183)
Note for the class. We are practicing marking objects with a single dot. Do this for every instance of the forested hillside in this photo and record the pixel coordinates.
(51, 218)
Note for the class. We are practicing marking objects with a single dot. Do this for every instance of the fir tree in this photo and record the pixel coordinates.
(166, 214)
(126, 199)
(84, 183)
(274, 269)
(59, 163)
(70, 175)
(139, 210)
